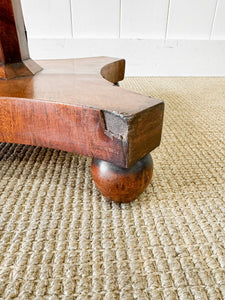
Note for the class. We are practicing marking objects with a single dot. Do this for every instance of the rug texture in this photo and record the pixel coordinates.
(59, 239)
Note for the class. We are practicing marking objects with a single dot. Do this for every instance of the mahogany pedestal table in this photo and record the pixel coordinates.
(74, 105)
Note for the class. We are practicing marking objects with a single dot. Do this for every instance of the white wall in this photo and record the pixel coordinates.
(157, 37)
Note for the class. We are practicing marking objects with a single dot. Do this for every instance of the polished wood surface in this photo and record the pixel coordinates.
(14, 54)
(80, 82)
(70, 106)
(122, 185)
(75, 105)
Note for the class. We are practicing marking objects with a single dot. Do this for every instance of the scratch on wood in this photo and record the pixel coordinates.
(115, 125)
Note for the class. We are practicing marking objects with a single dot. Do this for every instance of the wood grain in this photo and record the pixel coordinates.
(122, 185)
(75, 105)
(70, 106)
(14, 54)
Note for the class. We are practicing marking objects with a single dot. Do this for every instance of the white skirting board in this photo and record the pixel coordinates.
(144, 57)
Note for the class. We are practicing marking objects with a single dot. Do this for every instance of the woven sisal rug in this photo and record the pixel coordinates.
(59, 239)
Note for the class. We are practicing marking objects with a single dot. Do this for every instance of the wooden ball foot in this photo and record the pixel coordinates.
(120, 184)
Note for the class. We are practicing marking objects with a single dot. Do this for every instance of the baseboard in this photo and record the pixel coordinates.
(144, 57)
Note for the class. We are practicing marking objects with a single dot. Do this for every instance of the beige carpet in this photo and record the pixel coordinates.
(60, 240)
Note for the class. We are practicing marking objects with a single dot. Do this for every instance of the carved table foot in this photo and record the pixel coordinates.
(74, 105)
(122, 184)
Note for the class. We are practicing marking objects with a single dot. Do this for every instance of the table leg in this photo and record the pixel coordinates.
(122, 185)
